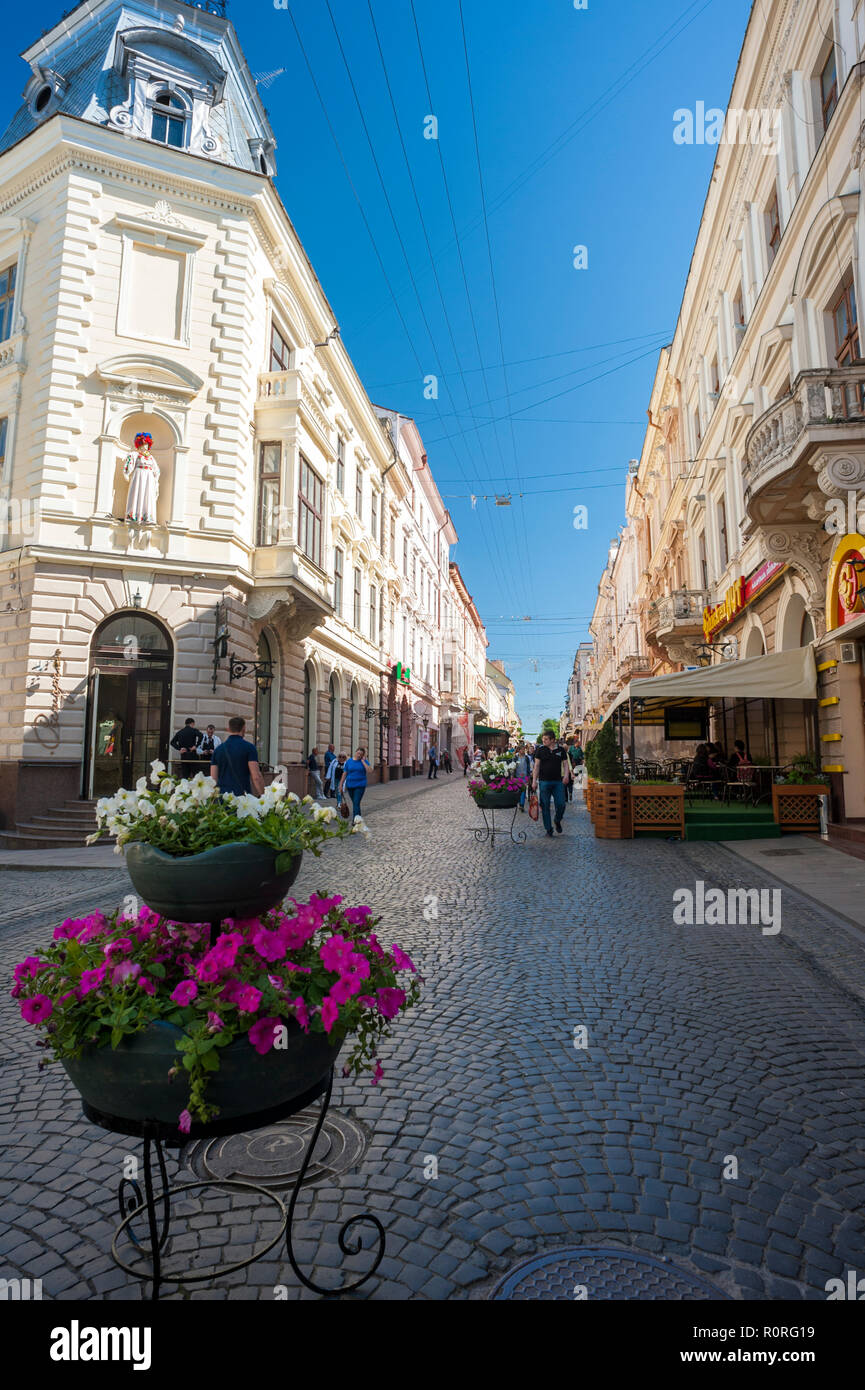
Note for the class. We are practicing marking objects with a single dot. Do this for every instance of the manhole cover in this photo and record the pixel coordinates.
(777, 852)
(604, 1273)
(272, 1156)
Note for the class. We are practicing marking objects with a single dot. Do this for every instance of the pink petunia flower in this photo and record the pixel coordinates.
(185, 1122)
(247, 998)
(147, 985)
(401, 960)
(301, 1013)
(324, 905)
(263, 1034)
(390, 1002)
(126, 970)
(184, 993)
(371, 942)
(269, 944)
(26, 969)
(357, 915)
(335, 953)
(37, 1009)
(377, 1074)
(90, 980)
(214, 1022)
(329, 1013)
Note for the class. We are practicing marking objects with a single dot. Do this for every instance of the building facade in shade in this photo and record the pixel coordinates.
(204, 514)
(503, 720)
(577, 697)
(742, 510)
(465, 648)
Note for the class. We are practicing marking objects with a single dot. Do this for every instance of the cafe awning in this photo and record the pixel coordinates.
(781, 676)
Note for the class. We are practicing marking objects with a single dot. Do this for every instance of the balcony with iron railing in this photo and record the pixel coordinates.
(823, 410)
(677, 614)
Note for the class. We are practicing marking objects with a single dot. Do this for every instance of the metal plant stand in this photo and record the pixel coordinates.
(490, 831)
(154, 1204)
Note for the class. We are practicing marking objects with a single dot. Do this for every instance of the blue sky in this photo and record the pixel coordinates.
(573, 112)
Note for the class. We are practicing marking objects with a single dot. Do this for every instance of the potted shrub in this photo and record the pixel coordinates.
(496, 785)
(796, 795)
(195, 855)
(611, 799)
(152, 1022)
(590, 773)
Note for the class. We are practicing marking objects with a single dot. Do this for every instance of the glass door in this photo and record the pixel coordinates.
(147, 724)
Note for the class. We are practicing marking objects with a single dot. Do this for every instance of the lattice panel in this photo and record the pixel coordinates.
(799, 810)
(656, 810)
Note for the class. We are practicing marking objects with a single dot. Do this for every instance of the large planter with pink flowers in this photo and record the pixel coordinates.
(138, 1082)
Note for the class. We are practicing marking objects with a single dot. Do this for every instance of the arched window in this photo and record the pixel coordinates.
(335, 712)
(168, 120)
(264, 708)
(308, 710)
(806, 637)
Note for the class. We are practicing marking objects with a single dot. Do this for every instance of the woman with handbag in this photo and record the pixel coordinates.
(354, 779)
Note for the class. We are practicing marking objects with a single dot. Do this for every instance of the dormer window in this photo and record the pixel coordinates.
(168, 120)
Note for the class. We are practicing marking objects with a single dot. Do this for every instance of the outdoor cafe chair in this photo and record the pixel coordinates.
(741, 779)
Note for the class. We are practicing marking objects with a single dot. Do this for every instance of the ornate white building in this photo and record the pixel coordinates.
(151, 282)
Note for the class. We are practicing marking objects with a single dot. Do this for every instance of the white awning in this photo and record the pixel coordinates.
(781, 676)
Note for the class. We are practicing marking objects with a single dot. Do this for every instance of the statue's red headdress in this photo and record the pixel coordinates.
(141, 439)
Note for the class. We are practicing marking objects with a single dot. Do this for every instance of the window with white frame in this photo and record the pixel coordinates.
(373, 514)
(269, 465)
(338, 574)
(373, 611)
(356, 601)
(340, 465)
(169, 116)
(7, 299)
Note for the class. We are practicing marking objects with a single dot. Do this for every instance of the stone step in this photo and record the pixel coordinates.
(84, 825)
(32, 838)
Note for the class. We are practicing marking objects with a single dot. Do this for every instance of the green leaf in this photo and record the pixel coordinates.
(210, 1061)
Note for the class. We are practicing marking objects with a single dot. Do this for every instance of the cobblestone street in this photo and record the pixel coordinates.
(703, 1043)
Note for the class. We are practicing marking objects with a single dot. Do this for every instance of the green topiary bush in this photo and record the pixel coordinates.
(608, 759)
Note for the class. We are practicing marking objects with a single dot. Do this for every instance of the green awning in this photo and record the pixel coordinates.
(485, 729)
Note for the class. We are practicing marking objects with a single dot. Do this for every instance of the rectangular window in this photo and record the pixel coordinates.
(448, 671)
(714, 381)
(4, 429)
(358, 494)
(738, 313)
(723, 551)
(338, 571)
(356, 605)
(7, 300)
(829, 88)
(847, 352)
(393, 540)
(373, 608)
(280, 352)
(702, 566)
(404, 653)
(373, 514)
(269, 461)
(405, 556)
(773, 226)
(309, 512)
(340, 466)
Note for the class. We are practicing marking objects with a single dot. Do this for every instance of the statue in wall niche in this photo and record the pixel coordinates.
(142, 473)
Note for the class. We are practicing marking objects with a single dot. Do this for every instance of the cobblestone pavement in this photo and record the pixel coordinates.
(703, 1043)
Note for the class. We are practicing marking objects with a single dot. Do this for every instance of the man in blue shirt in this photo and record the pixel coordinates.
(235, 765)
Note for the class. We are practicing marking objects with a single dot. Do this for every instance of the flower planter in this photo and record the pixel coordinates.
(130, 1083)
(498, 801)
(658, 808)
(797, 807)
(234, 880)
(612, 811)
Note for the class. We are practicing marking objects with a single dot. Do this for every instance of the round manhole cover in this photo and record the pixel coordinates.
(606, 1273)
(272, 1156)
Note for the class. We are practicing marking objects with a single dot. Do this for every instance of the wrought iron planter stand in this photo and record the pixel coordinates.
(155, 1201)
(490, 832)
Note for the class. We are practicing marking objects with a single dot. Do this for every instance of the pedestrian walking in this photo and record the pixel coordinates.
(329, 760)
(433, 763)
(446, 762)
(314, 769)
(235, 766)
(333, 776)
(550, 775)
(467, 760)
(354, 776)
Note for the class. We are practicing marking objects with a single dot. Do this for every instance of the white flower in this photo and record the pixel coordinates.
(118, 848)
(156, 770)
(91, 839)
(293, 798)
(141, 785)
(306, 800)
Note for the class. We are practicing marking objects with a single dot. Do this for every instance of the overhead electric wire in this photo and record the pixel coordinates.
(366, 223)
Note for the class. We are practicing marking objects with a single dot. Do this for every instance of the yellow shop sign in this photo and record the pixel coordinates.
(732, 603)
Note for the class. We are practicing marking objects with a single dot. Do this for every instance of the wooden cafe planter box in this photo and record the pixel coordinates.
(658, 807)
(797, 807)
(611, 813)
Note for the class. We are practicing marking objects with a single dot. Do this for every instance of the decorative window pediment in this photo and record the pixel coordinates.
(154, 54)
(143, 375)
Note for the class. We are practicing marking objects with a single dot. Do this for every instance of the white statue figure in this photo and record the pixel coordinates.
(142, 472)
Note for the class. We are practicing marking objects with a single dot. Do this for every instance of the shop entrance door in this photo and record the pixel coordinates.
(129, 704)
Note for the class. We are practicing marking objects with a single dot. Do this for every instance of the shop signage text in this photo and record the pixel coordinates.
(845, 586)
(738, 596)
(402, 673)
